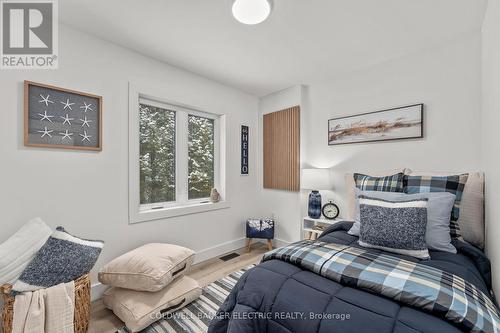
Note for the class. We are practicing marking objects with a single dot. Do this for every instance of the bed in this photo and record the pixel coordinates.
(280, 297)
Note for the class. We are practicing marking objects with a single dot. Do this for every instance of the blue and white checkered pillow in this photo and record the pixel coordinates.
(392, 183)
(453, 184)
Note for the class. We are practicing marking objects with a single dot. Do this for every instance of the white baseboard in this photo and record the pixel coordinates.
(212, 252)
(217, 250)
(97, 290)
(280, 243)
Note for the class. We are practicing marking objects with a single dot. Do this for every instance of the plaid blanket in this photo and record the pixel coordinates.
(413, 284)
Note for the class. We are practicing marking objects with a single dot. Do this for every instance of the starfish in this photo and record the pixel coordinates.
(67, 104)
(86, 122)
(66, 135)
(85, 136)
(86, 107)
(45, 116)
(67, 119)
(45, 132)
(45, 100)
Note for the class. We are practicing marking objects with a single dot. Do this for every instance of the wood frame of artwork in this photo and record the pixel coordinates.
(27, 85)
(418, 136)
(281, 147)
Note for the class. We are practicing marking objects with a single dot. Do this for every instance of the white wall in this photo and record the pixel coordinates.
(490, 139)
(88, 192)
(446, 79)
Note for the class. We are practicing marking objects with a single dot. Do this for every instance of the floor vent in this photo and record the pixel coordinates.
(229, 256)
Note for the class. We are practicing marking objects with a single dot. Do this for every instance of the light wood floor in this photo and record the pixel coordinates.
(104, 321)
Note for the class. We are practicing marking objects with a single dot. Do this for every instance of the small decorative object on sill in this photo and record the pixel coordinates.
(314, 180)
(214, 196)
(262, 229)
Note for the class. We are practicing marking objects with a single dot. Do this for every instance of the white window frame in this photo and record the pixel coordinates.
(182, 205)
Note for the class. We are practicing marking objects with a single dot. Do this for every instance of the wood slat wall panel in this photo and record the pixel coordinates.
(282, 149)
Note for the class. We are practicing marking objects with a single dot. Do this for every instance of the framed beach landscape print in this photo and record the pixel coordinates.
(405, 122)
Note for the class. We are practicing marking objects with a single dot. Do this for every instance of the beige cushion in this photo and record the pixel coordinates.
(139, 309)
(351, 186)
(471, 219)
(148, 268)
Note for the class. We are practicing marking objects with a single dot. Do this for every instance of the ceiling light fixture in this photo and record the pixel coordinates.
(251, 11)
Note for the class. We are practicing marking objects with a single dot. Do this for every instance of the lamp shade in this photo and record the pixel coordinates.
(316, 179)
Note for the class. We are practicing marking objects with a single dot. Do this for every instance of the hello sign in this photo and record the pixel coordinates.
(244, 149)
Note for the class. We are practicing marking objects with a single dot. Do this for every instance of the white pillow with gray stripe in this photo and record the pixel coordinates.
(63, 258)
(394, 226)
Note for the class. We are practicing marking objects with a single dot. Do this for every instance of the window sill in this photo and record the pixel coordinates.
(168, 212)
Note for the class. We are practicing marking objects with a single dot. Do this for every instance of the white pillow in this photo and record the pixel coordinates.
(18, 251)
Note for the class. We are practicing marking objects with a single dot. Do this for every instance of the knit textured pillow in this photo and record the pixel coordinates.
(392, 183)
(451, 184)
(394, 226)
(63, 258)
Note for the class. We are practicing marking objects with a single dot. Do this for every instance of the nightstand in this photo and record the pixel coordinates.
(312, 228)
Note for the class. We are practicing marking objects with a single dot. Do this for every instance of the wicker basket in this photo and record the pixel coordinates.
(82, 305)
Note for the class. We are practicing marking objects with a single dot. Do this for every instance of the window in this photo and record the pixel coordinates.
(201, 133)
(157, 154)
(175, 160)
(159, 127)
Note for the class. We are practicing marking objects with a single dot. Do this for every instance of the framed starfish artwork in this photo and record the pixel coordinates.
(61, 118)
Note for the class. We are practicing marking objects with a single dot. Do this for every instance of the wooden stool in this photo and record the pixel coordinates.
(260, 228)
(249, 244)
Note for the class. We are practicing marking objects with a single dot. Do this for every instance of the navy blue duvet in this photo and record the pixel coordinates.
(279, 297)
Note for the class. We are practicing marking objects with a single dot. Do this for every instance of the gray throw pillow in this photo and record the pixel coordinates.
(439, 207)
(394, 226)
(63, 258)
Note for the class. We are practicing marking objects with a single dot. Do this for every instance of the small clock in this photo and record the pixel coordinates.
(330, 210)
